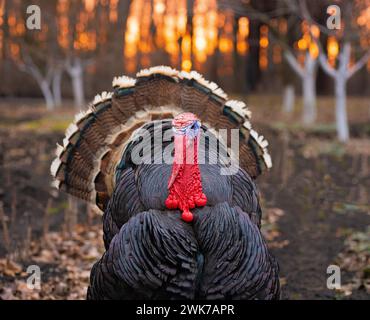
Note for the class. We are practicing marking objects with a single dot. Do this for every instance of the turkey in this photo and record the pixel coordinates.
(176, 226)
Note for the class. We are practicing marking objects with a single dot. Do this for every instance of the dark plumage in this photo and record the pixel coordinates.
(151, 253)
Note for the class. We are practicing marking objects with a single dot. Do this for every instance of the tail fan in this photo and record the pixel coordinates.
(86, 161)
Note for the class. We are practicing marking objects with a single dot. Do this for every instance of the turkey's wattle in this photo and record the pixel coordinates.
(185, 184)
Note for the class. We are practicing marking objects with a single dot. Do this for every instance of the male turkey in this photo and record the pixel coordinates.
(176, 229)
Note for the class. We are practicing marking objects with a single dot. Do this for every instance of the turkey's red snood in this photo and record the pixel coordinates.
(185, 185)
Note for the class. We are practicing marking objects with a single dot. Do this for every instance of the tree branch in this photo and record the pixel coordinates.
(358, 65)
(29, 67)
(326, 66)
(294, 63)
(305, 15)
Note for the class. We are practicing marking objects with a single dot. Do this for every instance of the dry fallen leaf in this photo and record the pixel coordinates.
(65, 263)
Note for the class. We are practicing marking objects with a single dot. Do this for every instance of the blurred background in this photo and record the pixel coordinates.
(302, 67)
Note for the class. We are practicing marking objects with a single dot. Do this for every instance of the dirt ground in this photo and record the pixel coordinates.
(315, 203)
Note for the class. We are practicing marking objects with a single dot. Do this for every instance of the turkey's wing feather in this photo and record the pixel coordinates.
(153, 256)
(245, 195)
(237, 262)
(124, 203)
(156, 255)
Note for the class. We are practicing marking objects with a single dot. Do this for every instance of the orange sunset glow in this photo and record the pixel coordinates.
(188, 39)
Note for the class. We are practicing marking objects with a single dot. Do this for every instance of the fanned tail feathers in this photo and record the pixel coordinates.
(93, 145)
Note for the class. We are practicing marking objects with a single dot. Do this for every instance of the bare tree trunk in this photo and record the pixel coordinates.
(341, 76)
(309, 99)
(57, 86)
(70, 215)
(43, 80)
(123, 13)
(73, 203)
(309, 91)
(288, 98)
(341, 108)
(4, 225)
(46, 222)
(308, 78)
(78, 89)
(75, 70)
(48, 96)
